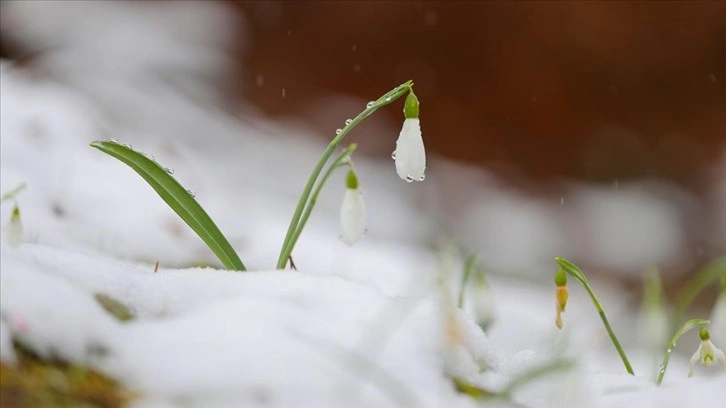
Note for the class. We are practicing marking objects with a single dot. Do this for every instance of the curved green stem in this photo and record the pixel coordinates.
(469, 265)
(707, 275)
(573, 270)
(384, 100)
(339, 161)
(687, 326)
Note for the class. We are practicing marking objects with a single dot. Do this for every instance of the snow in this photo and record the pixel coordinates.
(368, 325)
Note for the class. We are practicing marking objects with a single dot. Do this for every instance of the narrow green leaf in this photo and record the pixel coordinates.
(179, 199)
(709, 274)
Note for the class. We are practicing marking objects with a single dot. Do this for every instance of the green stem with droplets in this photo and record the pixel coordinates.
(288, 244)
(573, 270)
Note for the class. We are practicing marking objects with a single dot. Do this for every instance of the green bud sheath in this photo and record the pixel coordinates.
(561, 277)
(704, 334)
(410, 109)
(351, 181)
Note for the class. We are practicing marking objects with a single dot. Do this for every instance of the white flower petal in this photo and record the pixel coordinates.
(694, 359)
(410, 152)
(353, 216)
(14, 232)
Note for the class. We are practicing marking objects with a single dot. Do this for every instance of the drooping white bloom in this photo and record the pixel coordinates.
(410, 154)
(353, 212)
(707, 353)
(14, 228)
(483, 303)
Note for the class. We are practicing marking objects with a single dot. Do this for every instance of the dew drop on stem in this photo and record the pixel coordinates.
(168, 170)
(338, 131)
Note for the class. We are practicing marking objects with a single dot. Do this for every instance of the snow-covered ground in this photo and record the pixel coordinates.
(370, 325)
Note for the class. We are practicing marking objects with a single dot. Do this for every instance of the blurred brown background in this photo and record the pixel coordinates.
(593, 90)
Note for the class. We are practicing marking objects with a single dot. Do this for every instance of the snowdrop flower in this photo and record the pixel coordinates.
(14, 229)
(353, 211)
(562, 294)
(707, 353)
(410, 155)
(483, 301)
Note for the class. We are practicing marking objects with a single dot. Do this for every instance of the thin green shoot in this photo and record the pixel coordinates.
(573, 270)
(687, 326)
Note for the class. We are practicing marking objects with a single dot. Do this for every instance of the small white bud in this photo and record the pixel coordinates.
(14, 229)
(353, 212)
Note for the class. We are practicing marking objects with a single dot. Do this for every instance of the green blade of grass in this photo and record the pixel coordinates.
(179, 199)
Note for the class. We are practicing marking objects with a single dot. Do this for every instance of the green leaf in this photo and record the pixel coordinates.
(179, 199)
(709, 274)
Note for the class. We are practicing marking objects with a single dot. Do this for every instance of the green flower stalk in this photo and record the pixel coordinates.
(573, 270)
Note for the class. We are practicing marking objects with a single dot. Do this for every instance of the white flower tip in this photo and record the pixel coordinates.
(353, 216)
(410, 154)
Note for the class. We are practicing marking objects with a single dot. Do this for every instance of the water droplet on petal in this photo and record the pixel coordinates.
(168, 170)
(113, 140)
(128, 146)
(409, 179)
(191, 193)
(370, 104)
(348, 121)
(393, 155)
(338, 131)
(422, 178)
